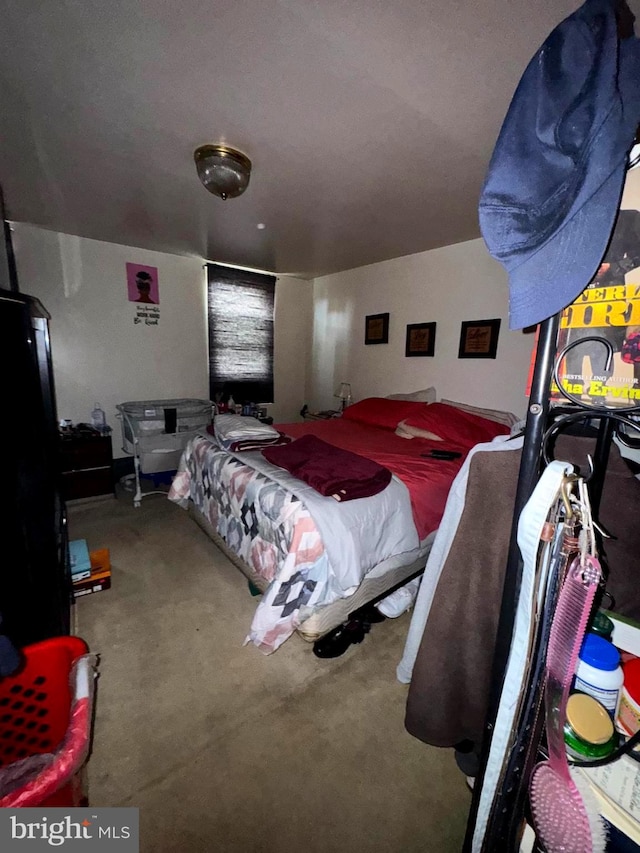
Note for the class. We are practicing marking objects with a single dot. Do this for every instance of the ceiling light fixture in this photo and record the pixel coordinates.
(224, 171)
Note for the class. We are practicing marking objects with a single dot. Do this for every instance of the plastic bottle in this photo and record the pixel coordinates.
(602, 625)
(599, 672)
(588, 729)
(628, 719)
(98, 418)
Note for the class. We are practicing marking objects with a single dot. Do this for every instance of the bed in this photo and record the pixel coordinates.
(316, 559)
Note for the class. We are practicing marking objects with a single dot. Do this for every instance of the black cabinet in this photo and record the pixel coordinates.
(35, 581)
(86, 464)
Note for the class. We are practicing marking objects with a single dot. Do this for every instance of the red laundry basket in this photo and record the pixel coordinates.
(44, 711)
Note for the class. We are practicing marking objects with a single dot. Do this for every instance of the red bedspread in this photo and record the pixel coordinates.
(428, 480)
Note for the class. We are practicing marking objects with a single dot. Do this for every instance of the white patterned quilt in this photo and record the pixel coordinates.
(269, 528)
(272, 521)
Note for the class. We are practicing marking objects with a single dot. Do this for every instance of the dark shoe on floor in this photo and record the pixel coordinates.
(336, 642)
(369, 613)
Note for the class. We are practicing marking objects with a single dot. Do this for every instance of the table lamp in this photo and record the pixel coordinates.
(344, 395)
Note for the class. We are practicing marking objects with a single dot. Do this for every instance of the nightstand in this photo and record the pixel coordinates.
(86, 464)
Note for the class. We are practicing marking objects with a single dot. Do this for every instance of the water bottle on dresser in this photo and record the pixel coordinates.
(98, 419)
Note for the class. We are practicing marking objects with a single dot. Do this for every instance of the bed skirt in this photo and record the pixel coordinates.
(329, 617)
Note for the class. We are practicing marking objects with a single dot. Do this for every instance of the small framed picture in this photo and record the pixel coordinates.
(376, 330)
(479, 338)
(142, 284)
(421, 340)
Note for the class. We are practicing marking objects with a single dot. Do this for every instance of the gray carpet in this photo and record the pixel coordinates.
(225, 749)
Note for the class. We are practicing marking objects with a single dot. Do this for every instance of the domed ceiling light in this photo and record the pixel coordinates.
(224, 171)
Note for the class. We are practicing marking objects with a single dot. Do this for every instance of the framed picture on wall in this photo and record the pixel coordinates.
(376, 330)
(421, 340)
(479, 338)
(142, 284)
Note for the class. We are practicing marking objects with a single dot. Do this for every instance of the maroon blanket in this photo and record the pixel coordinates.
(333, 472)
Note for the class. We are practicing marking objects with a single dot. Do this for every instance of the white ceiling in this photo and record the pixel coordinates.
(370, 124)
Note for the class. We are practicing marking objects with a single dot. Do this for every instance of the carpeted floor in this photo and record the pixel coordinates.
(225, 749)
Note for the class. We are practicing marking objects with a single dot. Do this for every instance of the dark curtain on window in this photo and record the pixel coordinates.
(240, 308)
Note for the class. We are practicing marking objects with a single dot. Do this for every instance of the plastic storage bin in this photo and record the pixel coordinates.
(45, 725)
(156, 432)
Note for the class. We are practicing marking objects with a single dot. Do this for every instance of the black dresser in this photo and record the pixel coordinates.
(35, 580)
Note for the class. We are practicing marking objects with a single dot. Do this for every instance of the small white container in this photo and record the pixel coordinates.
(599, 672)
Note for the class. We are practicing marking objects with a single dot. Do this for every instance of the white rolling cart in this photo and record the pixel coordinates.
(155, 433)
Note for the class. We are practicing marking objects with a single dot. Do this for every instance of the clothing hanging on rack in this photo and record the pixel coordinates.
(500, 806)
(457, 627)
(466, 535)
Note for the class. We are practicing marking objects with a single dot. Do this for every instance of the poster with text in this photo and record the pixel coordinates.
(142, 284)
(609, 309)
(593, 372)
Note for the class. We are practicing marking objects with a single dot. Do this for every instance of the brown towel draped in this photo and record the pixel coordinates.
(451, 676)
(449, 691)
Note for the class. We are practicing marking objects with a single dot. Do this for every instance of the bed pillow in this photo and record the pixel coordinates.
(456, 425)
(427, 395)
(380, 412)
(405, 431)
(507, 418)
(237, 428)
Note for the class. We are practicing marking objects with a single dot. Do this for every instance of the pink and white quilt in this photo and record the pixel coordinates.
(268, 527)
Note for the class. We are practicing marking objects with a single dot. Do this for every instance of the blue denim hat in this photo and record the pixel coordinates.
(552, 191)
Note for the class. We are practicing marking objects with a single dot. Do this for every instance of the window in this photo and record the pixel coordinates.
(240, 309)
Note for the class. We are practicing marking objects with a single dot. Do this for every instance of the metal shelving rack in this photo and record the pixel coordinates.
(509, 806)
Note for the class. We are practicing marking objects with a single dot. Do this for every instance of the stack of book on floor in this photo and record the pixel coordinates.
(80, 560)
(90, 570)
